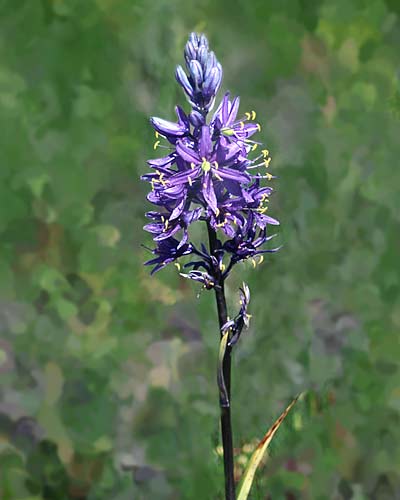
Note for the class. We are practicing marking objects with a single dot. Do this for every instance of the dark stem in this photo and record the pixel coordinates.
(226, 425)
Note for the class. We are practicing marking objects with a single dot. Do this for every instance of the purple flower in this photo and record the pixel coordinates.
(248, 240)
(212, 172)
(167, 251)
(170, 130)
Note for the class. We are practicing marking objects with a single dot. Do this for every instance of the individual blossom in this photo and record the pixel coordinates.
(167, 251)
(248, 241)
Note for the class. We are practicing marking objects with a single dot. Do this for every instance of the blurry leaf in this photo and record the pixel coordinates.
(92, 103)
(223, 393)
(37, 184)
(65, 308)
(108, 235)
(11, 84)
(103, 443)
(51, 280)
(257, 456)
(54, 381)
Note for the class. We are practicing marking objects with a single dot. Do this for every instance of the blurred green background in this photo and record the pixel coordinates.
(107, 375)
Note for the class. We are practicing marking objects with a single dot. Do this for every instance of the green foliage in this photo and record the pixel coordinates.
(108, 377)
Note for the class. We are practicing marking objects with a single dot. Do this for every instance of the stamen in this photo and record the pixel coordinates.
(156, 144)
(177, 265)
(267, 162)
(222, 224)
(253, 115)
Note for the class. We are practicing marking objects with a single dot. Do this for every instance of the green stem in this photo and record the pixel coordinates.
(226, 425)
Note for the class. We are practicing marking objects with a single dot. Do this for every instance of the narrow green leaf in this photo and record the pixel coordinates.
(223, 393)
(254, 462)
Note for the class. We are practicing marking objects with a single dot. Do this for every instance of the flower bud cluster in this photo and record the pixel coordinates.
(204, 79)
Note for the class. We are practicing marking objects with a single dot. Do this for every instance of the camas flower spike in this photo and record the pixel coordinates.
(213, 172)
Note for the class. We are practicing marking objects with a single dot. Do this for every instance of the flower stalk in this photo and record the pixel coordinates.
(225, 403)
(213, 172)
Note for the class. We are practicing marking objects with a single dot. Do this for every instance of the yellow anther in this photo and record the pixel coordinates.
(218, 176)
(156, 144)
(248, 115)
(258, 127)
(242, 125)
(160, 177)
(192, 165)
(152, 184)
(156, 134)
(206, 165)
(166, 224)
(215, 163)
(264, 198)
(177, 265)
(254, 147)
(254, 263)
(222, 266)
(190, 181)
(261, 259)
(222, 224)
(253, 115)
(265, 152)
(268, 176)
(267, 161)
(217, 212)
